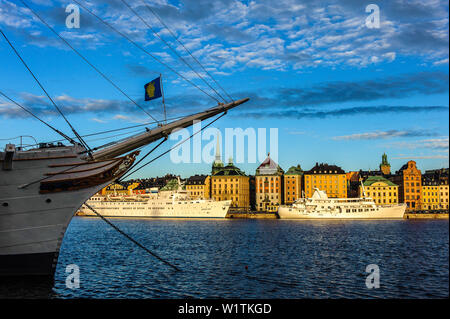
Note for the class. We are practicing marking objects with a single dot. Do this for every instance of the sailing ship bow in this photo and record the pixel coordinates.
(159, 132)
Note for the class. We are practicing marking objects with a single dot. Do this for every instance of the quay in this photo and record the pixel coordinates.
(251, 215)
(426, 215)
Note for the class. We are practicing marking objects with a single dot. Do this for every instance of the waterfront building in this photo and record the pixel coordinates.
(353, 184)
(252, 191)
(199, 187)
(443, 194)
(429, 193)
(381, 190)
(408, 178)
(293, 184)
(119, 188)
(329, 178)
(230, 183)
(438, 177)
(385, 167)
(269, 181)
(145, 184)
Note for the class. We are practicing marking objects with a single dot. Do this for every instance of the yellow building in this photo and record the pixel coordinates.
(118, 189)
(329, 178)
(430, 194)
(199, 186)
(443, 195)
(381, 190)
(269, 180)
(293, 184)
(230, 183)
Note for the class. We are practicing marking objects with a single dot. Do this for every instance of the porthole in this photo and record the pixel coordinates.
(5, 204)
(48, 200)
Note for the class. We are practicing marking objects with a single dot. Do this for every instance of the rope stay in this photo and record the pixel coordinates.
(87, 61)
(39, 119)
(185, 48)
(131, 238)
(146, 51)
(173, 147)
(143, 157)
(45, 91)
(171, 48)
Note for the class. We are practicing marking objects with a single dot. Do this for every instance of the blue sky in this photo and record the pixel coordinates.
(338, 92)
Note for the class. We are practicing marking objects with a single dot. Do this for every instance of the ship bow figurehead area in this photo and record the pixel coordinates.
(40, 191)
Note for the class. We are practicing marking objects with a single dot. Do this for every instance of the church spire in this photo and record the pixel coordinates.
(218, 157)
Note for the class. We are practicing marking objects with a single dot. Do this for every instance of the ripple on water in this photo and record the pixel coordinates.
(253, 259)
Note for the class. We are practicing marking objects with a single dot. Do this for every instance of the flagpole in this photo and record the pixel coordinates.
(164, 103)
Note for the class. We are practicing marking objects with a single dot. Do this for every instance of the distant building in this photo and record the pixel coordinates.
(217, 164)
(408, 178)
(124, 188)
(145, 184)
(385, 167)
(199, 186)
(443, 194)
(329, 178)
(429, 193)
(293, 184)
(381, 190)
(353, 184)
(440, 177)
(252, 191)
(230, 183)
(269, 180)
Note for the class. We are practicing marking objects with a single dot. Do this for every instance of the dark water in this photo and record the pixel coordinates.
(285, 259)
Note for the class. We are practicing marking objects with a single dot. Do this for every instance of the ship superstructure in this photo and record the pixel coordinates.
(160, 204)
(319, 206)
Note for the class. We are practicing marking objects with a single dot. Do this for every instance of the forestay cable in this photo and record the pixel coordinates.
(146, 51)
(185, 48)
(39, 119)
(43, 89)
(172, 49)
(87, 61)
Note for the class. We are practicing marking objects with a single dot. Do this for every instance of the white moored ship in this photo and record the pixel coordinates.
(319, 206)
(163, 204)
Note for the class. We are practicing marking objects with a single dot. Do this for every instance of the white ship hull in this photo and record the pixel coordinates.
(319, 206)
(391, 212)
(37, 202)
(158, 209)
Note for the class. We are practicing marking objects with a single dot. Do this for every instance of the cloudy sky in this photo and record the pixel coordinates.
(338, 91)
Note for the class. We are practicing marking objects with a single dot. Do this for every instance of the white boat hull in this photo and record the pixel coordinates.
(184, 209)
(389, 212)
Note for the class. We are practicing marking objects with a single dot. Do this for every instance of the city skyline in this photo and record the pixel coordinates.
(337, 91)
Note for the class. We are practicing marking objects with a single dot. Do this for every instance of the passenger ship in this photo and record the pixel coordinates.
(319, 206)
(163, 204)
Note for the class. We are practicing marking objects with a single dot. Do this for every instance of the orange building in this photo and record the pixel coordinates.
(409, 179)
(269, 179)
(293, 184)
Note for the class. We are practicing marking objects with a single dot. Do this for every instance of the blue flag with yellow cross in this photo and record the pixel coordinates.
(153, 89)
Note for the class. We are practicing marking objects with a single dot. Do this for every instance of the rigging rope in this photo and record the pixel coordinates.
(149, 152)
(36, 117)
(43, 89)
(185, 48)
(130, 238)
(87, 61)
(172, 49)
(145, 51)
(173, 147)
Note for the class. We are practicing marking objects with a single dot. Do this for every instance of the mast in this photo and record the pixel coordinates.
(145, 138)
